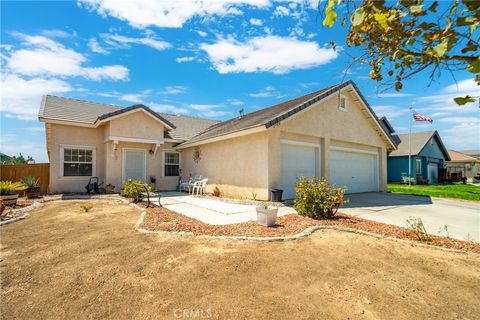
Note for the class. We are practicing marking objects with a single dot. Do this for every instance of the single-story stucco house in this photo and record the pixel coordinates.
(467, 165)
(428, 155)
(329, 133)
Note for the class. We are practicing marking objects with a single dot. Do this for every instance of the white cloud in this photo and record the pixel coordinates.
(119, 41)
(45, 57)
(174, 90)
(236, 102)
(202, 34)
(96, 47)
(393, 95)
(167, 13)
(184, 59)
(134, 97)
(266, 54)
(389, 111)
(281, 11)
(13, 144)
(209, 110)
(267, 92)
(470, 120)
(462, 136)
(463, 86)
(167, 108)
(55, 33)
(22, 97)
(256, 22)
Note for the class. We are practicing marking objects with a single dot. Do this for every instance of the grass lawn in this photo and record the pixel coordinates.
(456, 191)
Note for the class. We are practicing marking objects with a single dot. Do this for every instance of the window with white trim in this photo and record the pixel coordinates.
(418, 166)
(171, 163)
(342, 103)
(77, 162)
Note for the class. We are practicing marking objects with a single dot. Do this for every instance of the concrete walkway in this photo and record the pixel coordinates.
(462, 218)
(215, 212)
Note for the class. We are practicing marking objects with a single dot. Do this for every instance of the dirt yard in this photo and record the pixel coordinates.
(62, 263)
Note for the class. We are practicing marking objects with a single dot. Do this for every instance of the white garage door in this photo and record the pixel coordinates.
(355, 170)
(296, 161)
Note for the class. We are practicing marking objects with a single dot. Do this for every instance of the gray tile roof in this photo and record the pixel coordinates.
(418, 142)
(253, 119)
(74, 110)
(275, 114)
(65, 109)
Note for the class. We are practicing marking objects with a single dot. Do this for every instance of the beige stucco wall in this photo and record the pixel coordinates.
(251, 163)
(73, 135)
(135, 125)
(108, 167)
(114, 168)
(325, 124)
(237, 166)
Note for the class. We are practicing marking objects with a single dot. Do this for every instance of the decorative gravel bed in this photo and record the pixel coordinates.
(162, 219)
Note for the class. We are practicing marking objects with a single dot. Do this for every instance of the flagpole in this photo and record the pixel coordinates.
(410, 150)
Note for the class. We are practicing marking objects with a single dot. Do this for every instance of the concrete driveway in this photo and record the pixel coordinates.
(462, 218)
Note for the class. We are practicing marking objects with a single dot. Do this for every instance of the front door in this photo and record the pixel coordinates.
(432, 173)
(134, 164)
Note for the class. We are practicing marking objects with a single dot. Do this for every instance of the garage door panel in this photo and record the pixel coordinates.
(296, 161)
(357, 171)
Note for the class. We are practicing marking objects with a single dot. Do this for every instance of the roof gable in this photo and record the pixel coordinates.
(273, 115)
(417, 144)
(135, 108)
(76, 112)
(456, 156)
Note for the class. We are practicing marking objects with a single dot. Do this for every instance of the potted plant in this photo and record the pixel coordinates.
(9, 191)
(33, 186)
(216, 191)
(266, 216)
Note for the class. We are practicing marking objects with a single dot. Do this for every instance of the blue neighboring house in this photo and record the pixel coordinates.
(428, 152)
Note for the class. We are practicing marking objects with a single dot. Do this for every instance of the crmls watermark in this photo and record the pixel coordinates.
(193, 313)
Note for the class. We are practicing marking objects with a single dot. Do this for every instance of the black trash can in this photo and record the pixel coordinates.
(276, 195)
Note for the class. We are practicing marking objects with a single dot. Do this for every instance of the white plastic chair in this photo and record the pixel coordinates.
(199, 186)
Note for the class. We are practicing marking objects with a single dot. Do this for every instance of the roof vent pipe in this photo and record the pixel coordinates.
(241, 113)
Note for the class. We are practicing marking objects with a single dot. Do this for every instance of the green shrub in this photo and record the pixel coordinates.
(129, 189)
(9, 187)
(315, 198)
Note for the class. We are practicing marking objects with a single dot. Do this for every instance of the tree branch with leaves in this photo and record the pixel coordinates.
(403, 38)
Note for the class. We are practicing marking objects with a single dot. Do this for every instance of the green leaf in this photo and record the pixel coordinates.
(416, 9)
(440, 49)
(330, 14)
(381, 19)
(358, 16)
(474, 67)
(463, 100)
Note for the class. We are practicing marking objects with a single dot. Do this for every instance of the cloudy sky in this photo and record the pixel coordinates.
(207, 59)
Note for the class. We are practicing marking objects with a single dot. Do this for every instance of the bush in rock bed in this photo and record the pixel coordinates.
(315, 198)
(129, 189)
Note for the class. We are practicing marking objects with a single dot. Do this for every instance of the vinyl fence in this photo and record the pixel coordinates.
(15, 172)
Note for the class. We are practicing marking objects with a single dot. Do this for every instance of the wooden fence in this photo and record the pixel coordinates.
(15, 172)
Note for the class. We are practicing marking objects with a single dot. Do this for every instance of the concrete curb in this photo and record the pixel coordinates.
(308, 231)
(35, 205)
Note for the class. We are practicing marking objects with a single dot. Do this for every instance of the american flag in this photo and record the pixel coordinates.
(419, 117)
